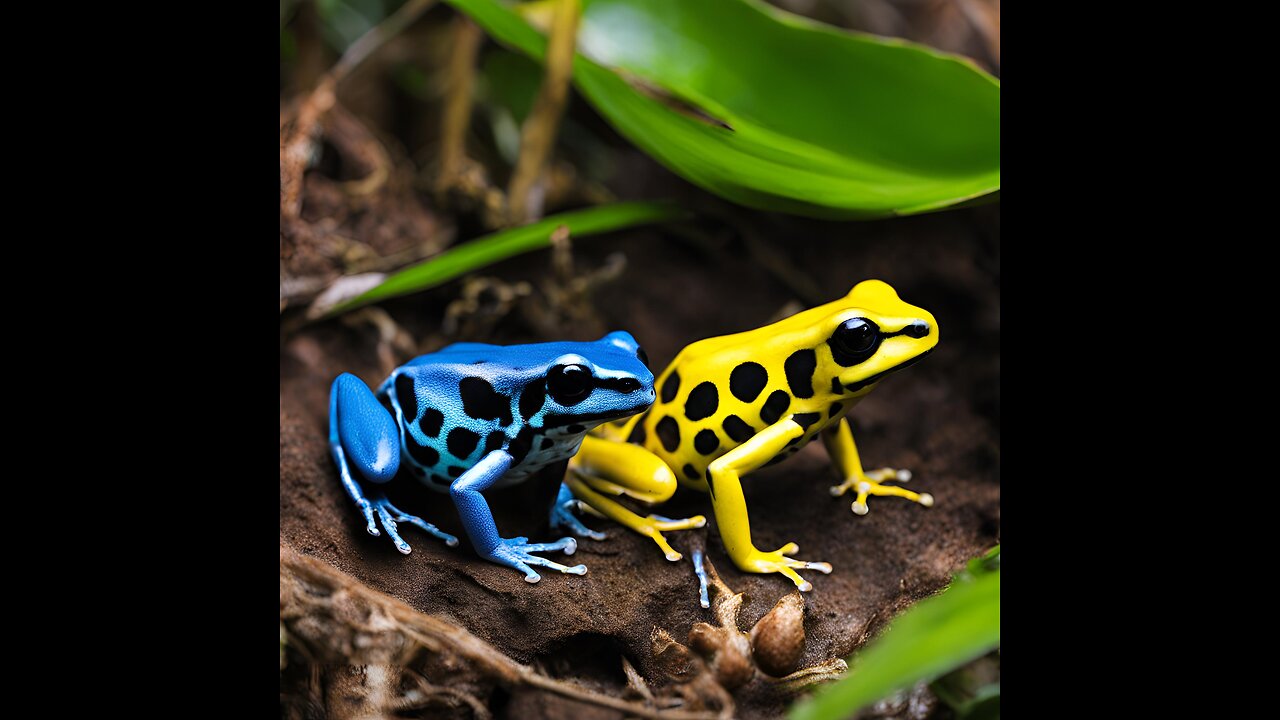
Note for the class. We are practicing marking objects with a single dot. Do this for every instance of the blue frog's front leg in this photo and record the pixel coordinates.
(477, 518)
(363, 433)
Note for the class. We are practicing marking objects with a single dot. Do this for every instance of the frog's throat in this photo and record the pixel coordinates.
(553, 421)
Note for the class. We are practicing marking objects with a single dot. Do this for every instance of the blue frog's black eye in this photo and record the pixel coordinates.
(569, 384)
(855, 340)
(643, 356)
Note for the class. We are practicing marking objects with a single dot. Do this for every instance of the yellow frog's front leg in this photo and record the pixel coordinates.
(604, 467)
(724, 479)
(844, 453)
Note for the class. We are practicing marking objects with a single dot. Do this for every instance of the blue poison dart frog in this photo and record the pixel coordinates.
(474, 416)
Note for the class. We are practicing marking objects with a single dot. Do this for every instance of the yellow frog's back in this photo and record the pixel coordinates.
(719, 392)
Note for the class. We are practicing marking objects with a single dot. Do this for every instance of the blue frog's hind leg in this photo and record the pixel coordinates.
(362, 433)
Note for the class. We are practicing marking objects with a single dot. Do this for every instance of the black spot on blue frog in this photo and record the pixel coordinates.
(473, 416)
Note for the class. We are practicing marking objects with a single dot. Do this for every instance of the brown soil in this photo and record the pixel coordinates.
(940, 419)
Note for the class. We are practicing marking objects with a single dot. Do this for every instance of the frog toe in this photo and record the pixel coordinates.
(667, 524)
(568, 545)
(371, 524)
(788, 570)
(518, 553)
(530, 576)
(822, 567)
(801, 584)
(391, 517)
(701, 572)
(578, 569)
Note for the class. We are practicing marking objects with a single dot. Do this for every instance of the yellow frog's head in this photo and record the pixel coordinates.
(857, 340)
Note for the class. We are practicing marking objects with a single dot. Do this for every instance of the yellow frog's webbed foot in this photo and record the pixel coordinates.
(778, 562)
(652, 526)
(871, 483)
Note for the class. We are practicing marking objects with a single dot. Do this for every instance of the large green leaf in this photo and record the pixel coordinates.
(820, 121)
(934, 636)
(490, 249)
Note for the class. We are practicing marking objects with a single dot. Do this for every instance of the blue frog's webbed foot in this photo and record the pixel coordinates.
(518, 553)
(562, 517)
(391, 516)
(478, 519)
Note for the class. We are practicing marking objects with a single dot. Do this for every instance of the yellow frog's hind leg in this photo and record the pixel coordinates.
(844, 453)
(604, 468)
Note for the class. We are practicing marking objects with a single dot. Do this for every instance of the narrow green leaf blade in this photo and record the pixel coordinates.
(501, 245)
(819, 121)
(933, 636)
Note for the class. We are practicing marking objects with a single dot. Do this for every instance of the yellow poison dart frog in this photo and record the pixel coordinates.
(732, 404)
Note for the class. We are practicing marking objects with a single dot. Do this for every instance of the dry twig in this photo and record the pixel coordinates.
(459, 175)
(295, 140)
(565, 299)
(342, 621)
(524, 195)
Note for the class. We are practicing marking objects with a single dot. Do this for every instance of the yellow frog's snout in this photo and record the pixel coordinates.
(923, 329)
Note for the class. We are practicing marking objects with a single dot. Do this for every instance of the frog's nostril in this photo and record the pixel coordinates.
(917, 329)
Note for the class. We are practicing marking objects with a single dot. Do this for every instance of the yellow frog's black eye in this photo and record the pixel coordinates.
(855, 340)
(643, 356)
(569, 384)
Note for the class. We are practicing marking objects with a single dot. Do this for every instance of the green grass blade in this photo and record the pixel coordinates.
(501, 245)
(932, 637)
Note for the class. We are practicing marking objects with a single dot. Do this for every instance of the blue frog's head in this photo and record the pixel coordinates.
(555, 388)
(589, 383)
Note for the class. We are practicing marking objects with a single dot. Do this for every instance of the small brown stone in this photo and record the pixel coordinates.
(777, 641)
